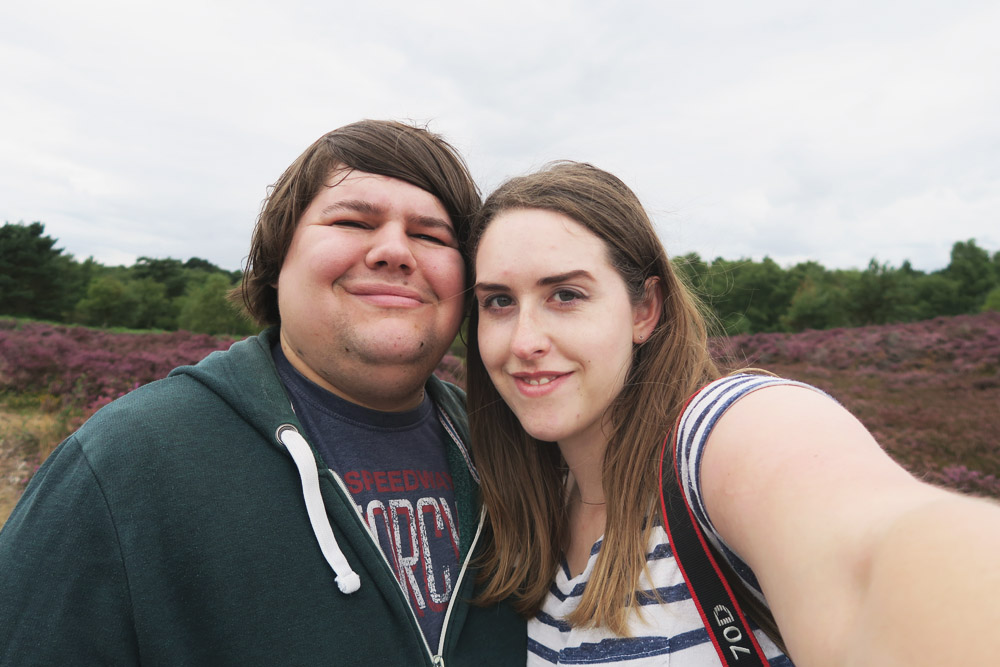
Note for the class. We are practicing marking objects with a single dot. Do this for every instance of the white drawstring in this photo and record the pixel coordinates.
(347, 579)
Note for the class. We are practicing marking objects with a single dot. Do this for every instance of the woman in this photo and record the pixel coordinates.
(584, 349)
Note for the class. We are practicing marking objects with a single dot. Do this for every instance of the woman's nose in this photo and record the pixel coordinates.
(529, 339)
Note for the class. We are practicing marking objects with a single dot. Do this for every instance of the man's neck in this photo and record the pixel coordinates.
(387, 389)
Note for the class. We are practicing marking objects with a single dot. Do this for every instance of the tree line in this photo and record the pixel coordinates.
(38, 280)
(746, 296)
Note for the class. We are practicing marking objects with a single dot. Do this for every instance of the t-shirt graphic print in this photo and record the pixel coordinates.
(395, 466)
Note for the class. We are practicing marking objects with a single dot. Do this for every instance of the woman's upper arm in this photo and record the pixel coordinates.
(800, 490)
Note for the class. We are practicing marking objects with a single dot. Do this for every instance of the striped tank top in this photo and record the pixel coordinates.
(668, 633)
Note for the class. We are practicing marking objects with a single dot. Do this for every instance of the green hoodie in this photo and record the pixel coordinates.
(172, 529)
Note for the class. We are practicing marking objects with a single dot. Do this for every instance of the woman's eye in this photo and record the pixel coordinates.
(496, 302)
(354, 224)
(567, 296)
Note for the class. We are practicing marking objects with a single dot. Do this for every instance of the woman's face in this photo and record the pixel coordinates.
(556, 325)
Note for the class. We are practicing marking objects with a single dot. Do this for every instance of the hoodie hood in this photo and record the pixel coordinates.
(266, 406)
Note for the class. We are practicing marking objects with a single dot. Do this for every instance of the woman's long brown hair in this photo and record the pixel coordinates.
(523, 478)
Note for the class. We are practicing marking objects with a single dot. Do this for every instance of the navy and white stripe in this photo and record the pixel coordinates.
(659, 630)
(696, 423)
(667, 633)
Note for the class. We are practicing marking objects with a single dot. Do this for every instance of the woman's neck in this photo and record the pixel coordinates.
(585, 498)
(585, 459)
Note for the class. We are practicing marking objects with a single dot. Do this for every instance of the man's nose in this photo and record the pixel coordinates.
(391, 249)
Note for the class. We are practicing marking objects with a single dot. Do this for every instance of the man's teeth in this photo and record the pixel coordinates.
(538, 381)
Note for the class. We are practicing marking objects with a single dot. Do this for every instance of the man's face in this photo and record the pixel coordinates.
(370, 292)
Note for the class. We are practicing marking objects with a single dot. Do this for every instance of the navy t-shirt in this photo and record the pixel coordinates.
(395, 466)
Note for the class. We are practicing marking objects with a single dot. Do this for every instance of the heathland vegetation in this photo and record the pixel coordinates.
(929, 390)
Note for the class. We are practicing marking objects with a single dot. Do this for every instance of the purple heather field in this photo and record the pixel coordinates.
(929, 391)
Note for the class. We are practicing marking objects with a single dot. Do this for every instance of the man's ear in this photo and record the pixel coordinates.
(646, 313)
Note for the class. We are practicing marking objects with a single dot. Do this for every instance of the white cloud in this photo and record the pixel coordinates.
(832, 132)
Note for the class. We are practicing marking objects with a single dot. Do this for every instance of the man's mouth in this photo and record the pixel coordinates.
(387, 295)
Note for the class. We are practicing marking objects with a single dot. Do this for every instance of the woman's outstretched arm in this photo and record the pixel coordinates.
(861, 563)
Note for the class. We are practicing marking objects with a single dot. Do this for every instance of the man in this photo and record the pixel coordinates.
(306, 496)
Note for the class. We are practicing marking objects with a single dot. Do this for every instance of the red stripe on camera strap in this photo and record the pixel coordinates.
(727, 626)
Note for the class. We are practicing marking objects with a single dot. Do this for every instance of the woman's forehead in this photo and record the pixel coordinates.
(537, 241)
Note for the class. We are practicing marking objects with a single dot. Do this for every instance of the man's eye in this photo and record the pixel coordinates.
(432, 239)
(354, 224)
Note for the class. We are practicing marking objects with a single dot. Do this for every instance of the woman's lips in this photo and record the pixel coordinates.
(539, 383)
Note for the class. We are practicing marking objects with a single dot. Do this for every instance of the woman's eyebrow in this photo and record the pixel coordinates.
(489, 287)
(563, 277)
(542, 282)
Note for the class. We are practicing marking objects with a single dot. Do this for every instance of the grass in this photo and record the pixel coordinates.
(30, 428)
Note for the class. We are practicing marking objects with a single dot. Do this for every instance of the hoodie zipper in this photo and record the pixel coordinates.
(439, 658)
(436, 659)
(385, 559)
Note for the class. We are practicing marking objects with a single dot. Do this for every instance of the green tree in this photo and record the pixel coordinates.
(992, 301)
(153, 310)
(206, 266)
(766, 290)
(907, 282)
(205, 309)
(877, 295)
(817, 304)
(811, 270)
(743, 294)
(33, 272)
(77, 279)
(691, 269)
(975, 273)
(938, 295)
(108, 303)
(717, 282)
(168, 272)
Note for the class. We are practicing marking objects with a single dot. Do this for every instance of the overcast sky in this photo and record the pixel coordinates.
(834, 131)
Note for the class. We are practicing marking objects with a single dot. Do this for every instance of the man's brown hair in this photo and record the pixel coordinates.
(388, 148)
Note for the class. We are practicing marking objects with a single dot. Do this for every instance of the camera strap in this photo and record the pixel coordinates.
(713, 596)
